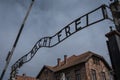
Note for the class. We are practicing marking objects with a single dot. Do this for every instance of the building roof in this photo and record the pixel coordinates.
(74, 60)
(24, 77)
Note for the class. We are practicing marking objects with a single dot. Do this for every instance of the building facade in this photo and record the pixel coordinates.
(87, 66)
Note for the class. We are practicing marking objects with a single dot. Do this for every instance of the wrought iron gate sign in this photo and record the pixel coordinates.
(64, 33)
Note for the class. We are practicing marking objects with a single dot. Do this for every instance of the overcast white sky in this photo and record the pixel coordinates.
(46, 18)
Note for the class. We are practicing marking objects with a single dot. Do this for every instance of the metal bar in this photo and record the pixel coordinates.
(16, 41)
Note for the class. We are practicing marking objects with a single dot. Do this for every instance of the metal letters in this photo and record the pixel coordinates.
(64, 33)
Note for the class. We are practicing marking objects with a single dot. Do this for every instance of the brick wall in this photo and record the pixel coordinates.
(71, 72)
(47, 75)
(98, 68)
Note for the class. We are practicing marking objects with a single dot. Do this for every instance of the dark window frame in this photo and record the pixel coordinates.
(96, 60)
(67, 76)
(103, 76)
(93, 74)
(46, 72)
(77, 74)
(57, 76)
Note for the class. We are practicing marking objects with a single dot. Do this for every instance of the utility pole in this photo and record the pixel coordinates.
(10, 53)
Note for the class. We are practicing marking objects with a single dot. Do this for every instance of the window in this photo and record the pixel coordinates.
(93, 75)
(103, 77)
(68, 77)
(96, 60)
(57, 76)
(77, 75)
(46, 72)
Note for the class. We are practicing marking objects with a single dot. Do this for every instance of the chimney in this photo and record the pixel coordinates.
(58, 61)
(65, 59)
(24, 74)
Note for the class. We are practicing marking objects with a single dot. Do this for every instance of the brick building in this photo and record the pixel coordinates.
(24, 77)
(87, 66)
